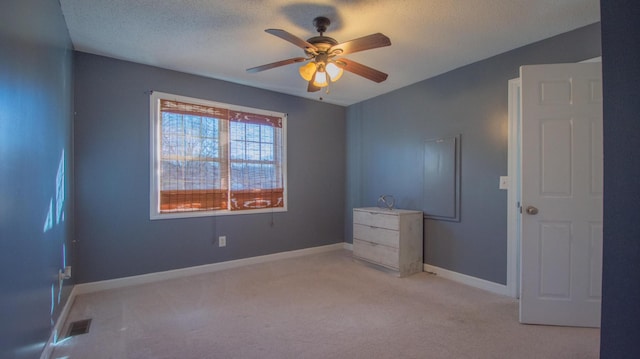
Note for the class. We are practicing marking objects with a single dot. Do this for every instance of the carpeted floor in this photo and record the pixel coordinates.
(318, 306)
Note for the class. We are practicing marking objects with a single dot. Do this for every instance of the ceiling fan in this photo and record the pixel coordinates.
(323, 62)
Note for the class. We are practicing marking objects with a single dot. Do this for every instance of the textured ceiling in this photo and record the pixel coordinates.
(222, 38)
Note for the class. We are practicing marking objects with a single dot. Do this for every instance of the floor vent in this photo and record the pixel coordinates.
(79, 327)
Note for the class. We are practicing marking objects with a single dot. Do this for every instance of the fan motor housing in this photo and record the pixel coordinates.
(323, 43)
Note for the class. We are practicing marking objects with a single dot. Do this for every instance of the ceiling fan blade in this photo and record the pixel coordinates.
(311, 87)
(285, 35)
(364, 43)
(362, 70)
(276, 64)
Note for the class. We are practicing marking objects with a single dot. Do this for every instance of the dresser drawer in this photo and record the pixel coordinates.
(376, 253)
(377, 235)
(377, 219)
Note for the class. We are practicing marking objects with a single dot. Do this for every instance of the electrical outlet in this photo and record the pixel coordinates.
(66, 274)
(222, 241)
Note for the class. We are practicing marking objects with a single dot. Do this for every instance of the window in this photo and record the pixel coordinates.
(210, 158)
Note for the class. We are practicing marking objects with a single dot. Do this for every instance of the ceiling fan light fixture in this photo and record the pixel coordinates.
(307, 71)
(320, 79)
(335, 72)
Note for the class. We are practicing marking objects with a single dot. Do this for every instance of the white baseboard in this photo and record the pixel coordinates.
(460, 278)
(468, 280)
(207, 268)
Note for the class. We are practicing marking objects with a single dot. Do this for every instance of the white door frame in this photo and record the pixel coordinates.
(513, 194)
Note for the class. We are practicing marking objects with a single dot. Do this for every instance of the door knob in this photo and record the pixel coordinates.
(532, 210)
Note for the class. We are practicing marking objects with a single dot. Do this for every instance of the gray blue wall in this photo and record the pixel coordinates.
(620, 334)
(385, 139)
(114, 233)
(35, 128)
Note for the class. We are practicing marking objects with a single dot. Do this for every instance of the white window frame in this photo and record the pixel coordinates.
(155, 157)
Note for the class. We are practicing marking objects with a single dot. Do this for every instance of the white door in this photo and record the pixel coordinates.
(562, 164)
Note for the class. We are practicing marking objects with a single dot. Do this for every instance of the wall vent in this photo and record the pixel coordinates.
(79, 327)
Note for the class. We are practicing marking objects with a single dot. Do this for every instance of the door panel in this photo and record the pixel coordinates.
(556, 159)
(555, 259)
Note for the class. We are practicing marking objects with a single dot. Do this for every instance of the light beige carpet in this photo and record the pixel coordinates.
(318, 306)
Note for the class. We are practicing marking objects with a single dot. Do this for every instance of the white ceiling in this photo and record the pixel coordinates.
(222, 38)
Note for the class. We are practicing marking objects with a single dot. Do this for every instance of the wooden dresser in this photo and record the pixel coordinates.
(389, 238)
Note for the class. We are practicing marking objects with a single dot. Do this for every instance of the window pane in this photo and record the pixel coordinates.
(209, 127)
(211, 171)
(266, 136)
(236, 131)
(245, 176)
(253, 151)
(266, 152)
(172, 175)
(189, 146)
(209, 149)
(171, 123)
(196, 175)
(252, 132)
(192, 125)
(192, 146)
(237, 150)
(171, 146)
(192, 174)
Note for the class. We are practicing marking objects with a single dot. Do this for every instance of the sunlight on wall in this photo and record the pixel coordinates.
(60, 190)
(51, 221)
(48, 222)
(59, 198)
